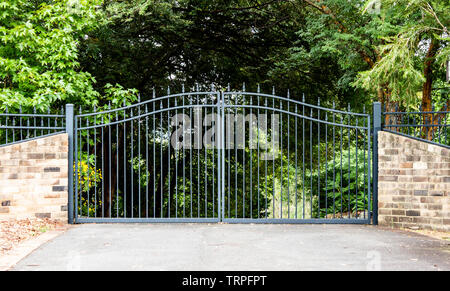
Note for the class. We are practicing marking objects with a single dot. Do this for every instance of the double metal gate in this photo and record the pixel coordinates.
(236, 157)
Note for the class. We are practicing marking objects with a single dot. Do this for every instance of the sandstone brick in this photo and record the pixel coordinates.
(43, 215)
(391, 152)
(420, 165)
(412, 213)
(384, 211)
(398, 199)
(34, 156)
(388, 178)
(435, 206)
(398, 212)
(421, 192)
(59, 188)
(406, 165)
(419, 179)
(405, 219)
(52, 169)
(49, 156)
(412, 158)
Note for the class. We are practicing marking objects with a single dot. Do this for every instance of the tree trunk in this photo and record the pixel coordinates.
(384, 97)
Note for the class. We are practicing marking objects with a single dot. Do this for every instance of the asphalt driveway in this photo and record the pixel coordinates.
(237, 247)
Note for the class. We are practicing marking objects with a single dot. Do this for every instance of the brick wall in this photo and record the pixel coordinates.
(33, 179)
(414, 183)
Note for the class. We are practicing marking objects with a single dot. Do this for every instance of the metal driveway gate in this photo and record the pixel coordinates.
(214, 156)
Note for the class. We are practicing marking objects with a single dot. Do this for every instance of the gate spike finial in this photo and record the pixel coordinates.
(182, 88)
(364, 108)
(318, 101)
(349, 107)
(243, 87)
(153, 93)
(334, 104)
(196, 87)
(273, 90)
(288, 94)
(228, 87)
(139, 97)
(303, 98)
(168, 90)
(212, 88)
(259, 88)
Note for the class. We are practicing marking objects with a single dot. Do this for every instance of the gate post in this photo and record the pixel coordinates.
(69, 130)
(376, 129)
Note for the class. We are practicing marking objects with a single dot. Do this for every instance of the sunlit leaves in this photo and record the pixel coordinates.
(402, 57)
(39, 51)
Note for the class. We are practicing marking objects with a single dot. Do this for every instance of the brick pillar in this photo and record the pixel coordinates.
(413, 183)
(33, 179)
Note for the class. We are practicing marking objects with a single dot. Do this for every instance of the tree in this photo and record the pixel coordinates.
(147, 43)
(410, 57)
(415, 57)
(39, 51)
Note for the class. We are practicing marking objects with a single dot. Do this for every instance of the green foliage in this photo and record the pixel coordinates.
(147, 43)
(39, 52)
(334, 44)
(401, 66)
(347, 192)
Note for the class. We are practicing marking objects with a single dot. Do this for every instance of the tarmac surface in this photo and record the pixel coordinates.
(237, 247)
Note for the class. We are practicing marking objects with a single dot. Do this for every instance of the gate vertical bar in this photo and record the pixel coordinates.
(218, 143)
(222, 149)
(369, 171)
(376, 129)
(70, 131)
